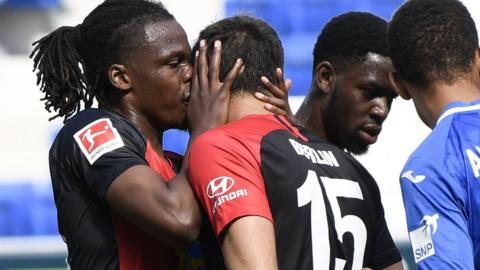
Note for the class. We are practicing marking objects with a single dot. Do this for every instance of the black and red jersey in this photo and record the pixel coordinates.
(89, 153)
(325, 207)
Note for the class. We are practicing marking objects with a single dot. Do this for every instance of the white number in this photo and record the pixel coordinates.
(310, 191)
(336, 188)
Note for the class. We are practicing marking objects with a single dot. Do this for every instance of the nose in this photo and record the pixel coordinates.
(188, 72)
(380, 110)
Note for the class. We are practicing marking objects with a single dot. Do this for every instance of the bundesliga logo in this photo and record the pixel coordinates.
(98, 138)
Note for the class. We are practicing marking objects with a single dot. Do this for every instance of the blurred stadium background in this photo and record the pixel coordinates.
(28, 228)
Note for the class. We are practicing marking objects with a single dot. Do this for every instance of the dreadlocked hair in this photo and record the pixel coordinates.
(72, 63)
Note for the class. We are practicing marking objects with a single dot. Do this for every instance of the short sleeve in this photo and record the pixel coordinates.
(103, 149)
(225, 175)
(436, 218)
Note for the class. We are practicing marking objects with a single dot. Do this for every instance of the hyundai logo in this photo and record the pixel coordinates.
(219, 186)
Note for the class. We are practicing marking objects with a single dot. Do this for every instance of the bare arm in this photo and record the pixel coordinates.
(169, 211)
(249, 243)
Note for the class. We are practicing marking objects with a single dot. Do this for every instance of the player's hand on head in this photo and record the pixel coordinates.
(209, 97)
(278, 102)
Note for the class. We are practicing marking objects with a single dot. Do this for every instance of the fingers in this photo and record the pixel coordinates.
(288, 84)
(279, 100)
(274, 109)
(232, 74)
(214, 69)
(272, 88)
(274, 101)
(281, 79)
(202, 67)
(194, 84)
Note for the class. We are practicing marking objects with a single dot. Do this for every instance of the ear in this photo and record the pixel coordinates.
(399, 85)
(119, 77)
(476, 61)
(324, 76)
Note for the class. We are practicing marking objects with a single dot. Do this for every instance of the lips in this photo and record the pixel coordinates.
(369, 133)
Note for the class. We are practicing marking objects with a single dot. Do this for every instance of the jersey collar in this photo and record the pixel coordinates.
(458, 106)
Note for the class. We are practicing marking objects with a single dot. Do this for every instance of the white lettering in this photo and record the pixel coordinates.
(323, 160)
(330, 158)
(315, 156)
(298, 147)
(423, 251)
(474, 161)
(309, 153)
(229, 197)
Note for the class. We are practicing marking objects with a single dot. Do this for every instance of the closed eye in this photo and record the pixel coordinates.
(173, 63)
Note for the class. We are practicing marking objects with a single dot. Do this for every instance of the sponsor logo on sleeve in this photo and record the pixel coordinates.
(219, 190)
(219, 186)
(421, 238)
(414, 179)
(98, 138)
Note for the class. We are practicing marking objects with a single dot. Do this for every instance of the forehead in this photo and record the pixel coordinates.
(375, 68)
(162, 39)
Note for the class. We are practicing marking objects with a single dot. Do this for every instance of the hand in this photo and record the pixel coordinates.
(209, 97)
(278, 103)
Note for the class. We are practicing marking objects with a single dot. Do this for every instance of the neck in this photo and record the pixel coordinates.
(153, 134)
(309, 114)
(436, 98)
(244, 105)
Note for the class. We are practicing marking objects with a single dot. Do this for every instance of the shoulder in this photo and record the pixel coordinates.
(97, 130)
(92, 117)
(245, 132)
(443, 149)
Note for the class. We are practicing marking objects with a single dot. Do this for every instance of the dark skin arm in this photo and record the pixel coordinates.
(169, 211)
(277, 103)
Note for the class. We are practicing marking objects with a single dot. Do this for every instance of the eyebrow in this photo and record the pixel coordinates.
(378, 87)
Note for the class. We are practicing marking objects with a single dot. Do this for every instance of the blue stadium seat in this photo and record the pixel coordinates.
(301, 76)
(27, 209)
(176, 141)
(29, 4)
(14, 209)
(43, 212)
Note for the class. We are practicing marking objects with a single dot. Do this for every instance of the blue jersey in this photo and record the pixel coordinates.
(441, 192)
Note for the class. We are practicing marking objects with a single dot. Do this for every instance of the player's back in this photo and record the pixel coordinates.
(312, 192)
(326, 207)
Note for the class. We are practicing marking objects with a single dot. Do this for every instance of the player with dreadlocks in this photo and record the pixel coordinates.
(114, 186)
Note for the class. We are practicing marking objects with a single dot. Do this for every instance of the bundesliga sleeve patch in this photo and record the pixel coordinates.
(98, 138)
